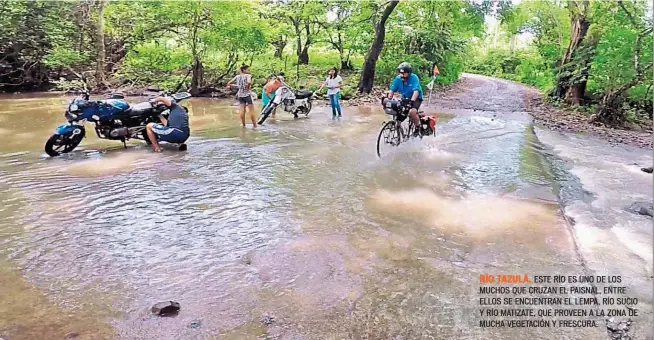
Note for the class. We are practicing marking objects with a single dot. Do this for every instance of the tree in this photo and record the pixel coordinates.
(128, 24)
(348, 30)
(575, 63)
(627, 37)
(306, 18)
(28, 34)
(368, 72)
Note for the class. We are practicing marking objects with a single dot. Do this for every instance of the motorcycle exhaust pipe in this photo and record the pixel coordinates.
(119, 132)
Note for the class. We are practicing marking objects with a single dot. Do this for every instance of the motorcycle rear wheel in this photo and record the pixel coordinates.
(70, 143)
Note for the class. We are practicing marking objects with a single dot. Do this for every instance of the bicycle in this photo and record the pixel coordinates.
(393, 132)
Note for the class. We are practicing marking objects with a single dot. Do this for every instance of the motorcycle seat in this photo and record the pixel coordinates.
(303, 94)
(139, 109)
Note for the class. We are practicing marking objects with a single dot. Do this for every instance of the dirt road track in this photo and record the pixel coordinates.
(481, 93)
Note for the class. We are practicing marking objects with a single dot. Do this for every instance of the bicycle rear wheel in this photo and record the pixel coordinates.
(409, 131)
(389, 136)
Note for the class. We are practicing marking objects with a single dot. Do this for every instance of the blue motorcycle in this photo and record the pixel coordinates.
(114, 119)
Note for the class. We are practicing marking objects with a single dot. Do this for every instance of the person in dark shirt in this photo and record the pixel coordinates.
(175, 129)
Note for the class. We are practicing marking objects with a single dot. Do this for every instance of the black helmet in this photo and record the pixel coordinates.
(404, 67)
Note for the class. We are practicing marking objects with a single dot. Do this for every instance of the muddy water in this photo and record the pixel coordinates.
(297, 220)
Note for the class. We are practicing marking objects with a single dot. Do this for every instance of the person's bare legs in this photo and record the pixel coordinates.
(242, 113)
(152, 137)
(413, 114)
(251, 112)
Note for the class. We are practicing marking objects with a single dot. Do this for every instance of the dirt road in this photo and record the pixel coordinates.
(476, 92)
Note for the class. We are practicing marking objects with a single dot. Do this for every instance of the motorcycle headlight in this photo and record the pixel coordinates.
(73, 108)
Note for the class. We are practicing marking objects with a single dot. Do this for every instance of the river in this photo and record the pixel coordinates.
(299, 224)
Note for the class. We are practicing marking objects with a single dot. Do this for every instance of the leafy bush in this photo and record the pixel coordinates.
(155, 64)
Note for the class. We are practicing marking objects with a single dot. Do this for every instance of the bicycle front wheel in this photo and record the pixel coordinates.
(389, 136)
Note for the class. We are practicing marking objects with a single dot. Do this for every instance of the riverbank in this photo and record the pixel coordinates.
(570, 121)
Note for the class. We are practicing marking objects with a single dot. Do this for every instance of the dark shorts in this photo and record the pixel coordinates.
(168, 134)
(416, 104)
(245, 100)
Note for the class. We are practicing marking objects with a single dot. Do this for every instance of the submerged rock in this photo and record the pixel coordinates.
(642, 208)
(166, 308)
(71, 335)
(195, 324)
(618, 330)
(267, 320)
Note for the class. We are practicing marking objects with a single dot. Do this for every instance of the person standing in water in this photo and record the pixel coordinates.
(333, 83)
(244, 84)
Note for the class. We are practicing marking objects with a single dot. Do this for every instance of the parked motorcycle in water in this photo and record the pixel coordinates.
(114, 119)
(294, 101)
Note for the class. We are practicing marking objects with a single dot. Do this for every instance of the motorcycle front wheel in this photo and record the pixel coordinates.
(308, 108)
(267, 110)
(58, 144)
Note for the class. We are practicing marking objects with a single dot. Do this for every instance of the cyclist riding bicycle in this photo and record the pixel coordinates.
(407, 84)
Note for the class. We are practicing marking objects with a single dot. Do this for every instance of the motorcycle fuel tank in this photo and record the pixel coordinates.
(111, 107)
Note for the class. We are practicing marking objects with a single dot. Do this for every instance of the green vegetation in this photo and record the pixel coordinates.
(592, 54)
(589, 53)
(199, 45)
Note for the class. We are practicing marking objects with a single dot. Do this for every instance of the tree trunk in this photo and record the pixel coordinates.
(575, 93)
(346, 64)
(368, 73)
(303, 57)
(100, 60)
(298, 52)
(117, 52)
(279, 45)
(81, 17)
(196, 79)
(573, 67)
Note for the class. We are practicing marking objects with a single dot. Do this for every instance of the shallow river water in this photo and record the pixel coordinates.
(297, 223)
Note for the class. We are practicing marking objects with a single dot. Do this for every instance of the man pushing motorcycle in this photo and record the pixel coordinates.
(175, 129)
(407, 84)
